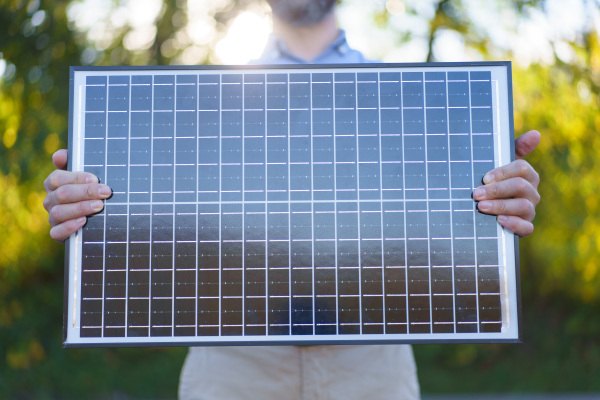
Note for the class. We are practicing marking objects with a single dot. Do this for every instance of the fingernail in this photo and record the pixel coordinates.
(97, 205)
(484, 206)
(91, 179)
(80, 220)
(503, 219)
(479, 193)
(489, 177)
(104, 191)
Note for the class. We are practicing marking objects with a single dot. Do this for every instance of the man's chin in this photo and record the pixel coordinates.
(302, 13)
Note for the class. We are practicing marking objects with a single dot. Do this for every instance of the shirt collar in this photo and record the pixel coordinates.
(275, 48)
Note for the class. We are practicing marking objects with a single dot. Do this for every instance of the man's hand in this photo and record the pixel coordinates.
(70, 197)
(510, 192)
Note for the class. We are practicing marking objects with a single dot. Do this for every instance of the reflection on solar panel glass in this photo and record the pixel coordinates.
(311, 205)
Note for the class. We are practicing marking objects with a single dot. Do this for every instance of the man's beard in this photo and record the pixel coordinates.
(301, 12)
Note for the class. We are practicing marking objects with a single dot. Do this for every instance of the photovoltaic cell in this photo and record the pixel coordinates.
(291, 205)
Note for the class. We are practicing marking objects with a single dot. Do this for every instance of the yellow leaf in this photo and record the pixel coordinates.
(10, 137)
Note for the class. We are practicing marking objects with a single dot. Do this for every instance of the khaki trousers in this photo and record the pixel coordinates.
(366, 372)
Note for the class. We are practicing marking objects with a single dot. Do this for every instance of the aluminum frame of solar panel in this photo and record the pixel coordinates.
(369, 236)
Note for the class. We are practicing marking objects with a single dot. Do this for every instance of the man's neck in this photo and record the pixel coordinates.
(307, 42)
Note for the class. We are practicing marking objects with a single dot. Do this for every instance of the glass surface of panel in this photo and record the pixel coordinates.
(292, 205)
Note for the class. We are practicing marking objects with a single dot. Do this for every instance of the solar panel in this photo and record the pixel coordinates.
(291, 205)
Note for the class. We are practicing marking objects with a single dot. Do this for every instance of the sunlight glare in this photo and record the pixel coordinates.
(245, 38)
(395, 7)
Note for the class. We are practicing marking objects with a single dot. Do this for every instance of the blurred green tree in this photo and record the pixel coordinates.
(39, 41)
(37, 47)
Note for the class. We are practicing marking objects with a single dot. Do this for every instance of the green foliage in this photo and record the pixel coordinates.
(559, 343)
(560, 261)
(562, 102)
(38, 47)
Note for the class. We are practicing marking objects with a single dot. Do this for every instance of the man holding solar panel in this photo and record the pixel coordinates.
(305, 31)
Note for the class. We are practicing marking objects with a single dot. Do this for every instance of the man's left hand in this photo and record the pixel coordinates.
(510, 191)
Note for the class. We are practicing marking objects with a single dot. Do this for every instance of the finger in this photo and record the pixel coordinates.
(59, 159)
(517, 225)
(64, 212)
(68, 194)
(526, 143)
(62, 231)
(60, 178)
(518, 168)
(517, 207)
(510, 188)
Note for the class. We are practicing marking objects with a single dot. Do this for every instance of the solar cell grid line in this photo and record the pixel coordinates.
(451, 208)
(220, 189)
(175, 226)
(104, 244)
(358, 188)
(113, 295)
(393, 213)
(279, 269)
(266, 233)
(139, 271)
(474, 209)
(277, 188)
(486, 229)
(370, 213)
(324, 161)
(196, 189)
(291, 205)
(324, 270)
(126, 324)
(336, 104)
(441, 269)
(208, 190)
(383, 294)
(254, 213)
(289, 210)
(437, 168)
(426, 133)
(242, 197)
(150, 193)
(117, 178)
(92, 292)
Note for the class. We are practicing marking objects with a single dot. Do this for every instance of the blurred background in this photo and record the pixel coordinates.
(555, 50)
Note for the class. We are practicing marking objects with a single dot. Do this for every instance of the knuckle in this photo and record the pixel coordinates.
(492, 190)
(80, 177)
(54, 180)
(500, 173)
(523, 167)
(55, 214)
(535, 177)
(521, 185)
(62, 194)
(500, 207)
(89, 191)
(83, 208)
(526, 209)
(531, 211)
(536, 199)
(46, 204)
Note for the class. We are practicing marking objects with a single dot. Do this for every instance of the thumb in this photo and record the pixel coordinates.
(59, 159)
(526, 143)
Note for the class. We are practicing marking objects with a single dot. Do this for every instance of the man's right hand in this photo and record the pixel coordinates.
(71, 197)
